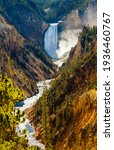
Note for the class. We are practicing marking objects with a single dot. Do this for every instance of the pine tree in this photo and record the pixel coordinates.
(8, 118)
(45, 121)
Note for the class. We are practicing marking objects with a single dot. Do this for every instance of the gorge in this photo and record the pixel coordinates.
(51, 102)
(56, 50)
(51, 45)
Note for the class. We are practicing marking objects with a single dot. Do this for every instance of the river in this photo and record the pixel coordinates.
(51, 47)
(22, 106)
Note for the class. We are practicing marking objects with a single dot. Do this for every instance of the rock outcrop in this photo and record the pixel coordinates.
(21, 60)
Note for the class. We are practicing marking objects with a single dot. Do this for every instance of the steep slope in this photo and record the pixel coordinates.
(22, 60)
(25, 18)
(65, 116)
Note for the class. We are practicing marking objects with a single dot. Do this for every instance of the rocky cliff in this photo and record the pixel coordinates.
(22, 60)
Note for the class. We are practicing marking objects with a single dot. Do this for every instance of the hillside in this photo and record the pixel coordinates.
(36, 10)
(65, 116)
(26, 17)
(22, 60)
(55, 10)
(43, 106)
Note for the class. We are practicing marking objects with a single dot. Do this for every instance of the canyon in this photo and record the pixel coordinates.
(50, 54)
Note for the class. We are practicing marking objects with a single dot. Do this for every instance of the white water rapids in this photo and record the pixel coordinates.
(23, 105)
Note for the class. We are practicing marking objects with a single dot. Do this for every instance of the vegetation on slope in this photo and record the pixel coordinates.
(22, 60)
(48, 10)
(55, 10)
(67, 111)
(8, 119)
(25, 16)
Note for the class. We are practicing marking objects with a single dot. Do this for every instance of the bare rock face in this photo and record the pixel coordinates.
(18, 59)
(71, 21)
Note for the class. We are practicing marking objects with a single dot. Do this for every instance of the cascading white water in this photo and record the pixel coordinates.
(22, 106)
(51, 40)
(59, 46)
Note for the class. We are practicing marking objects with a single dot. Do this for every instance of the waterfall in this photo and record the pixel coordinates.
(51, 40)
(59, 46)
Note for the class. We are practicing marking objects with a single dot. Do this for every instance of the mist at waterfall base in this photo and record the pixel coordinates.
(67, 40)
(58, 46)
